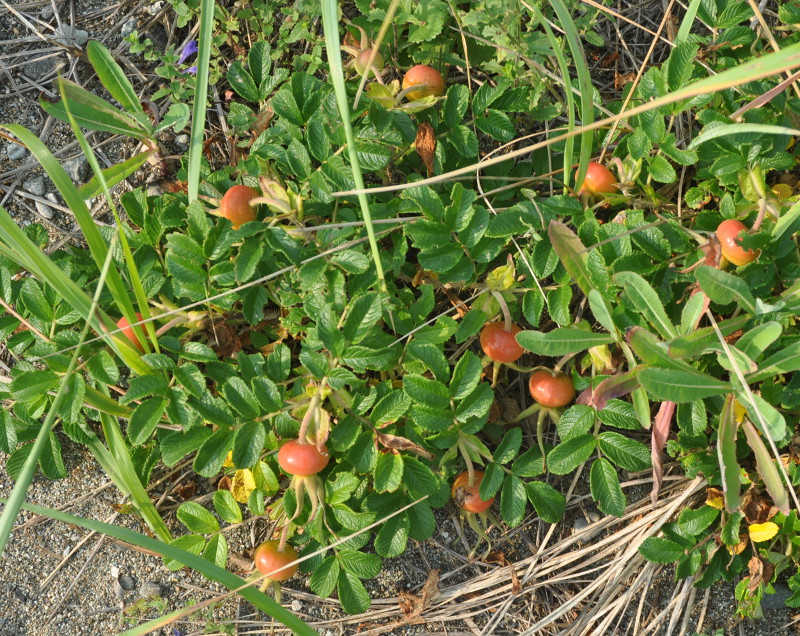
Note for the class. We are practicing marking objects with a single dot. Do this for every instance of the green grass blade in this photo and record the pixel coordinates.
(200, 96)
(205, 567)
(735, 129)
(330, 23)
(97, 244)
(16, 245)
(765, 66)
(564, 67)
(25, 477)
(584, 83)
(114, 174)
(688, 21)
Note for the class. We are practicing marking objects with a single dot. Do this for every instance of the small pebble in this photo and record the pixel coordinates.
(149, 588)
(296, 605)
(182, 141)
(15, 152)
(40, 68)
(776, 601)
(77, 169)
(128, 27)
(44, 210)
(47, 12)
(127, 583)
(155, 190)
(154, 8)
(35, 186)
(70, 36)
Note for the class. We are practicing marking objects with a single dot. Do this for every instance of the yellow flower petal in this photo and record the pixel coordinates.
(242, 484)
(763, 531)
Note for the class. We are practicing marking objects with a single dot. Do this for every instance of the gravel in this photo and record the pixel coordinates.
(15, 152)
(34, 185)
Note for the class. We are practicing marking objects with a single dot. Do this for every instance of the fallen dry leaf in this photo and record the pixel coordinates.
(397, 443)
(426, 145)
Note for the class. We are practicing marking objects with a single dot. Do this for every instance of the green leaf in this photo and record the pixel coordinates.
(426, 392)
(573, 255)
(645, 299)
(624, 452)
(723, 288)
(758, 339)
(352, 594)
(212, 453)
(390, 408)
(227, 507)
(191, 543)
(561, 341)
(766, 468)
(680, 65)
(577, 420)
(493, 478)
(418, 479)
(392, 538)
(570, 454)
(456, 104)
(364, 314)
(176, 445)
(242, 82)
(694, 521)
(92, 112)
(726, 453)
(216, 550)
(604, 483)
(547, 501)
(431, 355)
(466, 375)
(250, 254)
(191, 378)
(324, 577)
(513, 499)
(680, 386)
(660, 550)
(477, 404)
(112, 77)
(196, 518)
(240, 397)
(248, 443)
(529, 464)
(144, 419)
(661, 170)
(388, 472)
(267, 394)
(114, 175)
(785, 360)
(31, 385)
(363, 565)
(509, 446)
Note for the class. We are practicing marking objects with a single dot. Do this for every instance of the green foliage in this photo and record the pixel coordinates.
(291, 325)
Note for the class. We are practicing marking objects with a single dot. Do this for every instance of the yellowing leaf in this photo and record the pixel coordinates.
(782, 190)
(739, 411)
(228, 463)
(739, 547)
(760, 532)
(714, 499)
(501, 278)
(242, 485)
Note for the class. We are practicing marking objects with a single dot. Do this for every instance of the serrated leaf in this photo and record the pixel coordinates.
(606, 491)
(577, 420)
(324, 577)
(426, 392)
(660, 550)
(624, 452)
(547, 501)
(196, 518)
(392, 538)
(570, 454)
(513, 499)
(509, 446)
(226, 507)
(144, 419)
(645, 299)
(248, 444)
(240, 397)
(352, 594)
(466, 375)
(388, 472)
(216, 550)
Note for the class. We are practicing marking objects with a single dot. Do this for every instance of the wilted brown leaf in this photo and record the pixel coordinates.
(426, 145)
(397, 443)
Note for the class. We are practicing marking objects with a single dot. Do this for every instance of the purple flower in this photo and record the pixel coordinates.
(188, 50)
(192, 70)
